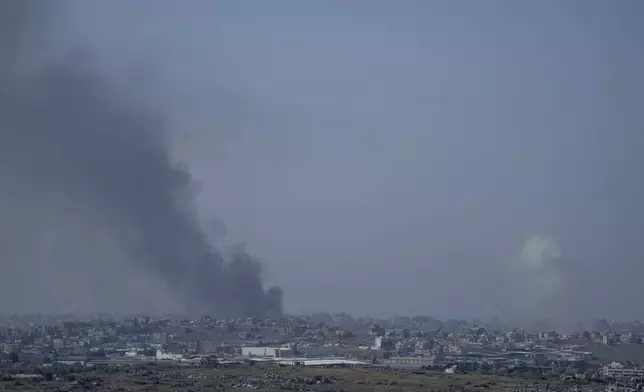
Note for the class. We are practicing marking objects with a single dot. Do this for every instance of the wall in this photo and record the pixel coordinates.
(259, 351)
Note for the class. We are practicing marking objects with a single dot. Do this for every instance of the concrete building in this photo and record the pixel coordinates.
(321, 362)
(383, 343)
(617, 370)
(167, 356)
(411, 362)
(273, 352)
(258, 351)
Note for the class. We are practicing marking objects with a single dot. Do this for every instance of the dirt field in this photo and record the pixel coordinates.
(273, 378)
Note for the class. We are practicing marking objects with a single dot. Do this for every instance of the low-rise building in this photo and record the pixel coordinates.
(415, 362)
(274, 352)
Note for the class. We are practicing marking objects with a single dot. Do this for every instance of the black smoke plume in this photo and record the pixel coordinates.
(65, 131)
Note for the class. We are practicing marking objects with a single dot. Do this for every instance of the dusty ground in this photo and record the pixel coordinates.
(273, 378)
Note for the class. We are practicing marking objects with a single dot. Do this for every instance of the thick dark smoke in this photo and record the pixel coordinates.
(65, 132)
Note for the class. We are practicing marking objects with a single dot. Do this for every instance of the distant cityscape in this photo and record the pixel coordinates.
(47, 346)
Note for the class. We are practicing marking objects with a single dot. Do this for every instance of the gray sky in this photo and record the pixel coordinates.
(390, 157)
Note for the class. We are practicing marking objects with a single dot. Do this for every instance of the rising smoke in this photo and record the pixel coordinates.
(69, 140)
(545, 283)
(540, 260)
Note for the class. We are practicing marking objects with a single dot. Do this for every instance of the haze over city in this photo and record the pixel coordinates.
(446, 158)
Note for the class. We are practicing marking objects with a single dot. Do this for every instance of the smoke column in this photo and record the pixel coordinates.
(64, 132)
(548, 285)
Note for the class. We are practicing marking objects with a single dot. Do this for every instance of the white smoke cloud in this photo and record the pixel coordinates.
(539, 253)
(537, 276)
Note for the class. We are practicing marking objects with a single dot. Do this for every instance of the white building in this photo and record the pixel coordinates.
(617, 370)
(410, 361)
(321, 362)
(167, 356)
(382, 343)
(272, 352)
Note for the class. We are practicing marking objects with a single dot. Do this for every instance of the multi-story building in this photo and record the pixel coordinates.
(617, 370)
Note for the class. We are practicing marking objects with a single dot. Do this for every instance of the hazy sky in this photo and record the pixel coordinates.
(392, 157)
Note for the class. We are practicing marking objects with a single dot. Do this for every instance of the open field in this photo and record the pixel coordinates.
(268, 377)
